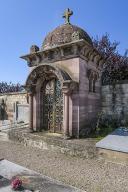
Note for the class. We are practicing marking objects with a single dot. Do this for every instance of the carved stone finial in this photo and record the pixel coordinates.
(34, 49)
(67, 14)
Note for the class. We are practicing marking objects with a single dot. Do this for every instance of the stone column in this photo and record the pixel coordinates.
(66, 94)
(66, 115)
(68, 87)
(31, 112)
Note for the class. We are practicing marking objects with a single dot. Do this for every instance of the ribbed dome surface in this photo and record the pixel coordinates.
(65, 34)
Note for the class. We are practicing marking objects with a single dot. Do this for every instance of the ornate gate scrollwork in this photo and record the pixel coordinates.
(52, 106)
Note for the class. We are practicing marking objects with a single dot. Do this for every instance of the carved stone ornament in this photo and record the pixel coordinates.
(28, 61)
(91, 74)
(66, 33)
(34, 49)
(46, 72)
(69, 86)
(30, 89)
(76, 36)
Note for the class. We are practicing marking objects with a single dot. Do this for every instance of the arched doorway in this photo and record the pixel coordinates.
(52, 106)
(50, 102)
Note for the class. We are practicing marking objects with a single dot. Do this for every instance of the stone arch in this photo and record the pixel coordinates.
(37, 77)
(92, 77)
(44, 72)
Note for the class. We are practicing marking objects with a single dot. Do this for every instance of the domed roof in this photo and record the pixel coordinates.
(65, 33)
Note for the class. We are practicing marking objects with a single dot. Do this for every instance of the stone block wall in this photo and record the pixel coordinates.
(71, 66)
(115, 99)
(84, 106)
(89, 102)
(12, 100)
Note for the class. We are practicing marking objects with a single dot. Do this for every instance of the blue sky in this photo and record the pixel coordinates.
(27, 22)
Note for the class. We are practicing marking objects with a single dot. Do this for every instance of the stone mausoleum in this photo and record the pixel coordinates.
(64, 81)
(64, 93)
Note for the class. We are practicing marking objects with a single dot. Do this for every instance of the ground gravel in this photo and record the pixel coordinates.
(90, 175)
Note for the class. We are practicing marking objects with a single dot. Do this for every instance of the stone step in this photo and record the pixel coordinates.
(6, 128)
(3, 136)
(83, 148)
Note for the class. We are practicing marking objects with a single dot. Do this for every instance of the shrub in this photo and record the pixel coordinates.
(115, 67)
(10, 87)
(108, 123)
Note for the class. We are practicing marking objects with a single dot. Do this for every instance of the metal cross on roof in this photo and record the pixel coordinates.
(67, 14)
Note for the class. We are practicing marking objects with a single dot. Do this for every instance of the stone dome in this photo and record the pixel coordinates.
(65, 33)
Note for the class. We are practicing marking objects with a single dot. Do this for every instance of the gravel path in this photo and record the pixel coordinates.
(90, 175)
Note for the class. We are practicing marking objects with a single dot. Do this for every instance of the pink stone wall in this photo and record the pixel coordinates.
(89, 102)
(84, 106)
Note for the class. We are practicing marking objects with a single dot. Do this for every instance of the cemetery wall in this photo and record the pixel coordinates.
(15, 105)
(115, 99)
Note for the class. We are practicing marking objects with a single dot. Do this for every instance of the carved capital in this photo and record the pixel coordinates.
(38, 59)
(62, 52)
(75, 49)
(91, 74)
(69, 86)
(97, 58)
(30, 90)
(28, 61)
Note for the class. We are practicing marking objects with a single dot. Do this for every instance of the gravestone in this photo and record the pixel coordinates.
(116, 141)
(23, 113)
(31, 181)
(5, 124)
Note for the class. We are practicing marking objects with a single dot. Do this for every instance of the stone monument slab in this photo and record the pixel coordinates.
(23, 113)
(116, 141)
(31, 180)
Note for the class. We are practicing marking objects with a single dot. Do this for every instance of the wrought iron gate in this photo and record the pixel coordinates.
(53, 106)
